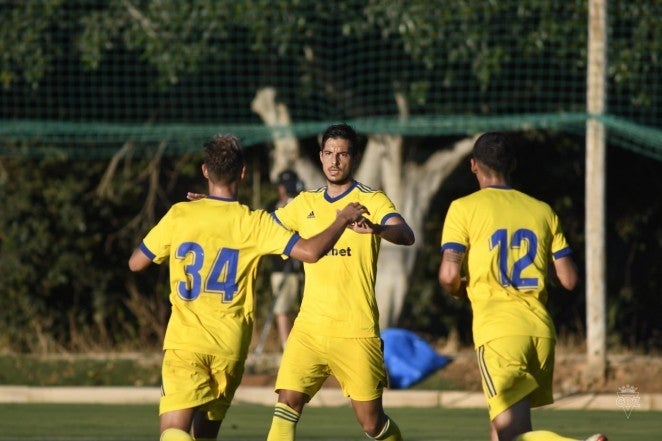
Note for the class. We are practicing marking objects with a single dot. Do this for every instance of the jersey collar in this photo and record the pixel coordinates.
(341, 195)
(216, 198)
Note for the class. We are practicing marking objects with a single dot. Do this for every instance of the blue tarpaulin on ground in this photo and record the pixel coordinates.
(409, 358)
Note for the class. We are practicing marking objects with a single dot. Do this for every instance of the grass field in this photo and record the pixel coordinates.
(60, 422)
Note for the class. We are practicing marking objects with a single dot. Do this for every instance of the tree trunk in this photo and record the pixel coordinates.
(411, 188)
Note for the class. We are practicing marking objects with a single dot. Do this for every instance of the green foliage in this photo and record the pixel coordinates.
(102, 67)
(67, 229)
(26, 45)
(136, 81)
(103, 370)
(63, 254)
(65, 238)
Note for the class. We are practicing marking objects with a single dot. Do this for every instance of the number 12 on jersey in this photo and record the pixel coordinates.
(510, 273)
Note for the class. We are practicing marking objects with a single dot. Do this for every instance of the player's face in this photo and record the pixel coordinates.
(336, 160)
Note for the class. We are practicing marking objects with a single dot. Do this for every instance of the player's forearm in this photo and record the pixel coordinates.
(451, 286)
(399, 234)
(450, 277)
(312, 249)
(565, 271)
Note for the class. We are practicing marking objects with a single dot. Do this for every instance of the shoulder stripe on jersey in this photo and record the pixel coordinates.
(363, 188)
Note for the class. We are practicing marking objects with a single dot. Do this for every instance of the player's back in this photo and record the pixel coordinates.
(510, 239)
(507, 226)
(213, 246)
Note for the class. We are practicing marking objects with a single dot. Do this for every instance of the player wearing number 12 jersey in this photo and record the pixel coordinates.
(504, 241)
(213, 246)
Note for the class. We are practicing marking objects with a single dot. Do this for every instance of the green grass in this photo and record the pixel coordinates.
(78, 422)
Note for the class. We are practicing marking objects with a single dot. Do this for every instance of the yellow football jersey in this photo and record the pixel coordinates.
(509, 239)
(213, 247)
(339, 295)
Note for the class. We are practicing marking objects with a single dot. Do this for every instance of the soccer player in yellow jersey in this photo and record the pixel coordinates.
(497, 245)
(213, 247)
(337, 329)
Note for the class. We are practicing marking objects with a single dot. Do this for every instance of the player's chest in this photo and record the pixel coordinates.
(315, 218)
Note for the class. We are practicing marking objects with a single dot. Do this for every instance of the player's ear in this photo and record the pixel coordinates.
(243, 172)
(474, 165)
(205, 173)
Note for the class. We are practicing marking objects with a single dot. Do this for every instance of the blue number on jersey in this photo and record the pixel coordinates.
(513, 276)
(222, 277)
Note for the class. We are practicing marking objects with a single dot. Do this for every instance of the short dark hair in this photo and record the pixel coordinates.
(224, 158)
(495, 150)
(342, 131)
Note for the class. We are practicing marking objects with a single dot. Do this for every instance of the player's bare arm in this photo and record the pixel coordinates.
(565, 272)
(312, 249)
(139, 260)
(450, 277)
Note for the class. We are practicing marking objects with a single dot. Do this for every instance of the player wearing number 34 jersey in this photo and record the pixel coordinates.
(212, 275)
(213, 246)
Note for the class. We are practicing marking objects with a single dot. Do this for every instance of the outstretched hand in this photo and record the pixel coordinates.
(195, 196)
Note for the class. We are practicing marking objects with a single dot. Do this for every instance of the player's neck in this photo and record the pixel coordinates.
(224, 191)
(492, 181)
(334, 189)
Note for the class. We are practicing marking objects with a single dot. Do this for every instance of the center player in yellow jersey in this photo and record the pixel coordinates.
(213, 247)
(337, 329)
(505, 240)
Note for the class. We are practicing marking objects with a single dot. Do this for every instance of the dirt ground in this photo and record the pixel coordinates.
(640, 371)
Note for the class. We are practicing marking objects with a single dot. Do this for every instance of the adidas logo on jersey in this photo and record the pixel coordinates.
(311, 215)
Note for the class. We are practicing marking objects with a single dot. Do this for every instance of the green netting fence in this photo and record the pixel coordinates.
(83, 77)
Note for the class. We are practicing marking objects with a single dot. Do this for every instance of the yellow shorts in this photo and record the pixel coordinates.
(512, 368)
(191, 380)
(357, 364)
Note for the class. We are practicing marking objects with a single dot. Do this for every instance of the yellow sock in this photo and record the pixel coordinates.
(542, 435)
(283, 424)
(390, 432)
(175, 435)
